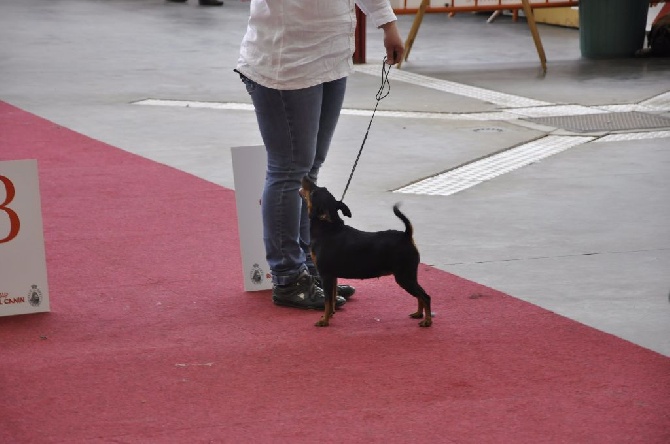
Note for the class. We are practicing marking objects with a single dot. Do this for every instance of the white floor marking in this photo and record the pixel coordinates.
(515, 108)
(196, 104)
(505, 115)
(345, 111)
(634, 136)
(660, 102)
(474, 173)
(554, 110)
(487, 95)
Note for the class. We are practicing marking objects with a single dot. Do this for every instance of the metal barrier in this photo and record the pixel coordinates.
(420, 7)
(483, 5)
(413, 6)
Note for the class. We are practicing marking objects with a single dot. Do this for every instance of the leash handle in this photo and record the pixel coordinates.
(383, 91)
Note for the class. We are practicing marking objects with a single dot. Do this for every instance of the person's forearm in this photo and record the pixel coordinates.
(395, 47)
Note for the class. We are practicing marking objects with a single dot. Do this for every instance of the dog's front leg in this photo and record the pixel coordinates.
(330, 292)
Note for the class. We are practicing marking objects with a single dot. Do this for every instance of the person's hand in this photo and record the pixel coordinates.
(395, 47)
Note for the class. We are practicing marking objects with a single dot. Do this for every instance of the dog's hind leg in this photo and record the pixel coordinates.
(410, 284)
(419, 311)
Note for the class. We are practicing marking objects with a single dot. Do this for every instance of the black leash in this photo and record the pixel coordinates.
(384, 90)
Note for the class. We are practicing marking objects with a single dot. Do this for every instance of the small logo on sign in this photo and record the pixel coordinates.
(34, 296)
(256, 274)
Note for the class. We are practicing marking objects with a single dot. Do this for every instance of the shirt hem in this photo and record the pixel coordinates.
(248, 72)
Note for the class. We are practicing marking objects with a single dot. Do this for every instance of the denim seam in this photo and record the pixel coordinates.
(289, 125)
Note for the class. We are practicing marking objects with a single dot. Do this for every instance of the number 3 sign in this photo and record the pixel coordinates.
(23, 272)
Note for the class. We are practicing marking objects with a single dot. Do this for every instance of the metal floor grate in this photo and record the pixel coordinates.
(633, 120)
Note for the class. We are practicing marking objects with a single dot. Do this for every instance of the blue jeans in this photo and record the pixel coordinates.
(297, 127)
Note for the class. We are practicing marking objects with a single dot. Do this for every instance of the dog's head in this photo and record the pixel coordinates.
(321, 204)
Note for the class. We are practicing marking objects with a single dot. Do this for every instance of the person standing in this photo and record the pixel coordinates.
(294, 60)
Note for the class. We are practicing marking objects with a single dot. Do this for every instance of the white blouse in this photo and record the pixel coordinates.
(294, 44)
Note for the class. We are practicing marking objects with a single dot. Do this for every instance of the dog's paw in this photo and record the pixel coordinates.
(426, 323)
(322, 323)
(417, 315)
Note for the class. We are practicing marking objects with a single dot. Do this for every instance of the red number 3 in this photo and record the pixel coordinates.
(14, 223)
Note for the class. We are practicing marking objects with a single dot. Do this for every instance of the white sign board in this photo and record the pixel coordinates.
(23, 269)
(249, 164)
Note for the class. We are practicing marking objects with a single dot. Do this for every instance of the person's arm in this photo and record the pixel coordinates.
(381, 14)
(395, 47)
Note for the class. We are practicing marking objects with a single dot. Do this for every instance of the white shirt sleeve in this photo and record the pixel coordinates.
(380, 11)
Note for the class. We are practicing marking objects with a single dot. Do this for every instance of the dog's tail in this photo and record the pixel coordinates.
(409, 231)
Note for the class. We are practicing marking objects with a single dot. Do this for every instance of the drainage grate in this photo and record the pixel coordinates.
(471, 174)
(605, 122)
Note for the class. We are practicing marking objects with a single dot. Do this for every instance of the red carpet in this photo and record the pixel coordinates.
(151, 338)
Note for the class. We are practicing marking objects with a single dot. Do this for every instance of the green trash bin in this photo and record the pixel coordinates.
(612, 28)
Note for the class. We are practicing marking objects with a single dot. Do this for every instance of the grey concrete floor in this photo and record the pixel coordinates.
(583, 233)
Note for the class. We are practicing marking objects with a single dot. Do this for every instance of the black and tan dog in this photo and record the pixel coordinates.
(342, 251)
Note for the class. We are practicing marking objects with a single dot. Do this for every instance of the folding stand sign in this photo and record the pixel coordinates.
(23, 272)
(249, 164)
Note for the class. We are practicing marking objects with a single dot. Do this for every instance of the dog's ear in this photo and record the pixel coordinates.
(344, 208)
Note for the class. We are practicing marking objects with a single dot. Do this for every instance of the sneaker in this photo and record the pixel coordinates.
(304, 293)
(346, 291)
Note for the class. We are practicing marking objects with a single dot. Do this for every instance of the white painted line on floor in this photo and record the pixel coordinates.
(196, 104)
(428, 115)
(635, 136)
(474, 173)
(345, 111)
(486, 95)
(660, 102)
(624, 108)
(510, 114)
(554, 111)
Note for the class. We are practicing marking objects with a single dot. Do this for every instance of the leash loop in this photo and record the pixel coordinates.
(383, 91)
